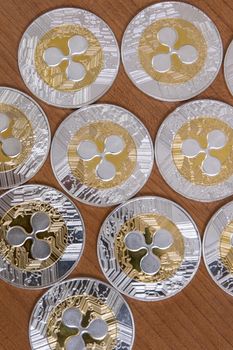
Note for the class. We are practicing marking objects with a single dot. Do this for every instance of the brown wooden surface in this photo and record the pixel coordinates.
(201, 317)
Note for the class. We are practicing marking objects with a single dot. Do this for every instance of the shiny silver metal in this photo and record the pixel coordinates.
(12, 146)
(165, 91)
(150, 263)
(216, 140)
(92, 292)
(87, 150)
(60, 17)
(22, 200)
(213, 243)
(228, 65)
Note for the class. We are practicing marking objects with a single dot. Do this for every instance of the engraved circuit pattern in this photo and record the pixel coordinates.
(95, 86)
(81, 184)
(198, 120)
(96, 300)
(31, 128)
(65, 236)
(118, 268)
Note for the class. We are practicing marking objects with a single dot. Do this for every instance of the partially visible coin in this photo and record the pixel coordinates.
(24, 137)
(149, 248)
(41, 238)
(68, 57)
(102, 155)
(218, 247)
(228, 67)
(81, 314)
(194, 150)
(172, 51)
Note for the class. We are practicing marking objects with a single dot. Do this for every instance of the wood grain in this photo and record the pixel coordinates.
(201, 317)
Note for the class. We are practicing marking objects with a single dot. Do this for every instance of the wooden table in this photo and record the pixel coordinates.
(201, 317)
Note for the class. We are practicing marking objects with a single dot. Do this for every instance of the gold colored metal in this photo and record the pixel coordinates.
(97, 132)
(91, 308)
(20, 128)
(56, 236)
(148, 225)
(190, 168)
(92, 59)
(188, 34)
(226, 248)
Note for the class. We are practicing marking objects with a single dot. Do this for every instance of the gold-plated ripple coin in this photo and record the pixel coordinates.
(149, 248)
(41, 237)
(82, 314)
(171, 51)
(194, 150)
(68, 57)
(24, 137)
(218, 247)
(102, 155)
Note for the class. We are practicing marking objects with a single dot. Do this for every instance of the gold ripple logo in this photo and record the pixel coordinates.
(149, 248)
(33, 236)
(172, 50)
(102, 155)
(82, 322)
(69, 58)
(16, 137)
(203, 151)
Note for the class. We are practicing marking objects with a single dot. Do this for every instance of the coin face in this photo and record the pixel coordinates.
(24, 137)
(149, 248)
(102, 155)
(218, 247)
(171, 51)
(81, 314)
(228, 68)
(194, 150)
(41, 237)
(68, 57)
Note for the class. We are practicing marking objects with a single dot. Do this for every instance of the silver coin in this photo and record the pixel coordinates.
(93, 315)
(68, 57)
(194, 150)
(41, 238)
(24, 137)
(102, 155)
(218, 247)
(171, 51)
(149, 248)
(228, 68)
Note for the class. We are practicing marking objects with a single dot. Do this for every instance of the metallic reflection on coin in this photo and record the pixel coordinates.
(149, 248)
(171, 51)
(41, 238)
(24, 137)
(228, 67)
(102, 155)
(80, 314)
(68, 57)
(218, 247)
(194, 150)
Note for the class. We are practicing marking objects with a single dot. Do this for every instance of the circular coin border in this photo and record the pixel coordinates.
(41, 128)
(62, 291)
(163, 155)
(210, 248)
(42, 25)
(136, 289)
(227, 67)
(142, 80)
(95, 113)
(44, 278)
